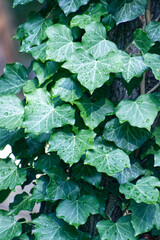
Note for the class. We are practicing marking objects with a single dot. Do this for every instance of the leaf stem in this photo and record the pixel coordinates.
(142, 84)
(154, 88)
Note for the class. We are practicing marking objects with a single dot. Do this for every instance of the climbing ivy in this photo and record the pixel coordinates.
(87, 155)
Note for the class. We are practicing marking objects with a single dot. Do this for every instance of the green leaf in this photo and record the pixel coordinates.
(34, 31)
(71, 5)
(14, 78)
(21, 202)
(121, 230)
(38, 52)
(41, 115)
(107, 160)
(94, 40)
(47, 161)
(153, 61)
(87, 173)
(60, 45)
(11, 175)
(94, 15)
(9, 137)
(143, 191)
(76, 212)
(157, 159)
(71, 147)
(125, 136)
(93, 113)
(11, 112)
(22, 2)
(68, 90)
(142, 41)
(59, 186)
(129, 174)
(9, 228)
(52, 228)
(139, 113)
(156, 134)
(45, 71)
(39, 191)
(143, 216)
(124, 11)
(132, 66)
(93, 73)
(153, 31)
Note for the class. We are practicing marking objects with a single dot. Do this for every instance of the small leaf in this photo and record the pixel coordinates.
(121, 230)
(9, 137)
(94, 40)
(47, 161)
(76, 212)
(125, 136)
(9, 228)
(153, 61)
(142, 41)
(39, 190)
(22, 2)
(38, 52)
(71, 5)
(50, 227)
(143, 191)
(143, 216)
(11, 175)
(124, 11)
(129, 174)
(139, 113)
(153, 31)
(157, 159)
(21, 202)
(133, 66)
(93, 113)
(14, 78)
(156, 134)
(11, 112)
(41, 115)
(93, 73)
(71, 147)
(67, 89)
(107, 160)
(60, 45)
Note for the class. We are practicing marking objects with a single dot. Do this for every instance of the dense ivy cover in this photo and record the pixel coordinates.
(86, 154)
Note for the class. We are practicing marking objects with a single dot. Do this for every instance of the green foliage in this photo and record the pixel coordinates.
(87, 155)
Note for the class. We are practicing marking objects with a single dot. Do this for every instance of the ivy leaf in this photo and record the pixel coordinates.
(143, 216)
(9, 137)
(34, 30)
(76, 212)
(60, 45)
(94, 40)
(153, 31)
(156, 134)
(71, 147)
(41, 115)
(10, 175)
(9, 228)
(14, 78)
(133, 66)
(47, 161)
(21, 202)
(22, 2)
(125, 136)
(93, 73)
(59, 187)
(11, 112)
(107, 160)
(87, 173)
(93, 113)
(129, 174)
(38, 52)
(139, 113)
(67, 89)
(45, 71)
(121, 230)
(39, 191)
(142, 41)
(71, 5)
(94, 15)
(124, 11)
(157, 159)
(50, 227)
(143, 191)
(152, 61)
